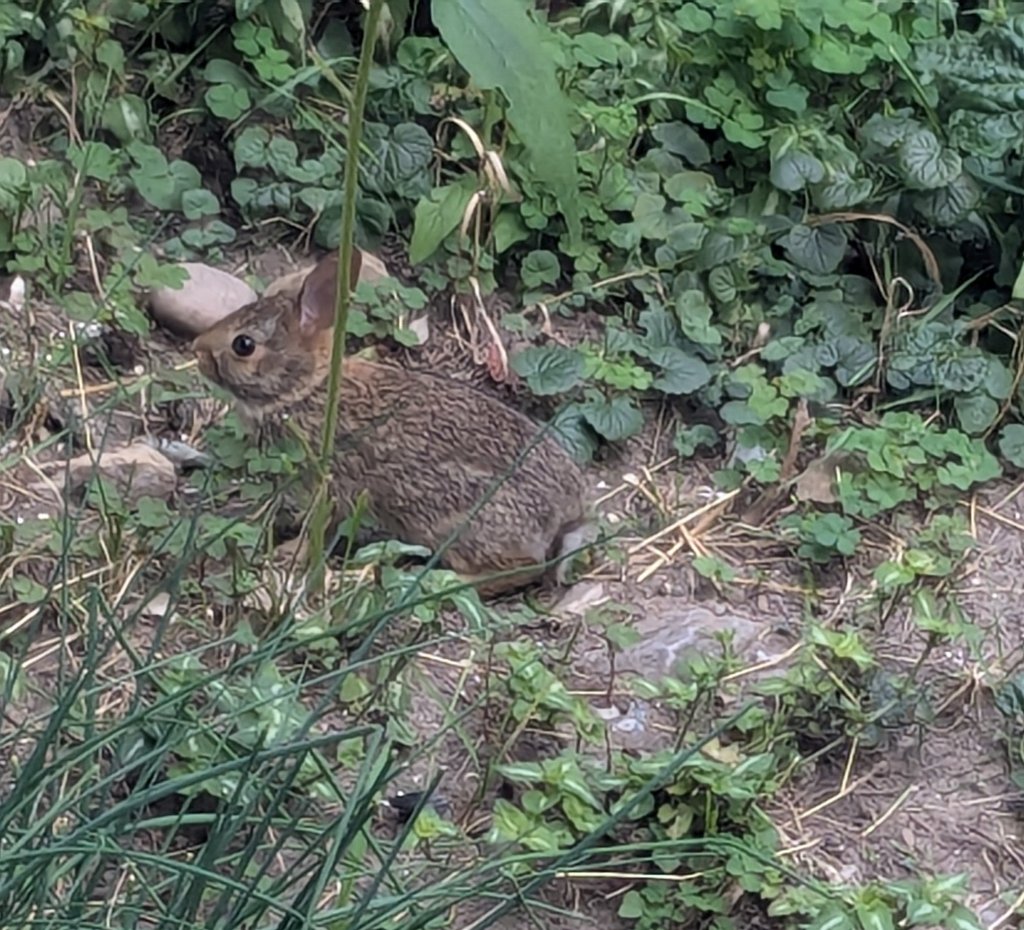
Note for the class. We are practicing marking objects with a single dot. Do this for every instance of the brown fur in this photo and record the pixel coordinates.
(426, 449)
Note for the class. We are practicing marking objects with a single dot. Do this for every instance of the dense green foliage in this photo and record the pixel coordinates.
(712, 178)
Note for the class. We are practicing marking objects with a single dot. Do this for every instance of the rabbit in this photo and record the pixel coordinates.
(426, 450)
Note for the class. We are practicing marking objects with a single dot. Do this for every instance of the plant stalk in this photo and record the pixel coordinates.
(343, 299)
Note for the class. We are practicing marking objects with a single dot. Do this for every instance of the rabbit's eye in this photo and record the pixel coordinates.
(243, 346)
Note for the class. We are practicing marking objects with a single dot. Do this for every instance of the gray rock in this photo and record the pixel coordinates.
(205, 298)
(137, 471)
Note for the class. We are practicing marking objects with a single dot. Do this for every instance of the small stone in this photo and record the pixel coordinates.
(158, 607)
(206, 297)
(137, 471)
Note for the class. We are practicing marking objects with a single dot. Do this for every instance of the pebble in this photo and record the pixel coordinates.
(206, 297)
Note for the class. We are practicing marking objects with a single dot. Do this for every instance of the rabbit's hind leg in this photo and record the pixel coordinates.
(496, 576)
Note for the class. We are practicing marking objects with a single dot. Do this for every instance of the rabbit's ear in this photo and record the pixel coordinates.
(320, 290)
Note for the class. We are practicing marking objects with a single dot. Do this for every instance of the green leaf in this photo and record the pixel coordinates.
(615, 419)
(549, 369)
(650, 217)
(926, 163)
(95, 159)
(501, 46)
(691, 18)
(251, 148)
(111, 54)
(540, 267)
(690, 438)
(282, 155)
(947, 206)
(127, 117)
(874, 916)
(818, 249)
(694, 312)
(196, 204)
(960, 918)
(14, 186)
(632, 906)
(976, 412)
(508, 229)
(793, 170)
(681, 139)
(227, 102)
(831, 918)
(159, 183)
(1011, 444)
(436, 216)
(401, 154)
(682, 373)
(570, 428)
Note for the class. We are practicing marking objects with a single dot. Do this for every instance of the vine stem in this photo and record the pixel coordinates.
(343, 298)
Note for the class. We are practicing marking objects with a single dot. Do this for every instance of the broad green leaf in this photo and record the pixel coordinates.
(650, 217)
(250, 148)
(1011, 444)
(831, 918)
(508, 229)
(570, 428)
(947, 206)
(834, 56)
(111, 54)
(196, 204)
(792, 97)
(540, 267)
(95, 159)
(14, 187)
(438, 215)
(682, 139)
(127, 117)
(282, 155)
(399, 154)
(976, 412)
(694, 312)
(549, 369)
(818, 249)
(793, 170)
(227, 101)
(691, 18)
(633, 906)
(998, 380)
(926, 163)
(722, 284)
(615, 419)
(841, 191)
(960, 918)
(502, 47)
(874, 916)
(681, 372)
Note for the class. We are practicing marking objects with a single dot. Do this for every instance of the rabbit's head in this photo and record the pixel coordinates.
(275, 352)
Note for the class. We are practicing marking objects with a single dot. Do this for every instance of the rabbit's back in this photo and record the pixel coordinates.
(439, 457)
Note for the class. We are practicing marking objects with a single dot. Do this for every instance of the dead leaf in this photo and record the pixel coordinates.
(816, 482)
(497, 364)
